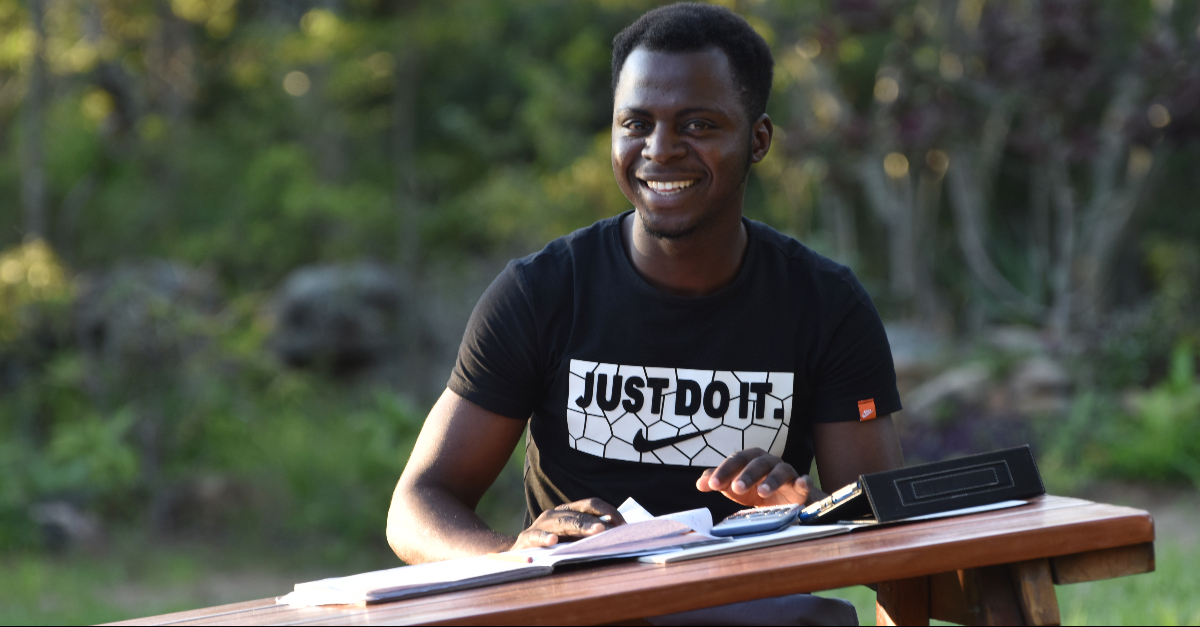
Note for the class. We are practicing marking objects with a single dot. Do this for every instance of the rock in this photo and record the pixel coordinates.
(141, 319)
(1015, 340)
(1040, 385)
(343, 319)
(65, 526)
(969, 383)
(916, 350)
(206, 503)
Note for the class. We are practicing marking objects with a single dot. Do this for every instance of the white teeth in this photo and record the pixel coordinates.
(669, 187)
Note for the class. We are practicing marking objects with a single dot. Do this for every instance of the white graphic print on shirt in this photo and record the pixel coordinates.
(674, 415)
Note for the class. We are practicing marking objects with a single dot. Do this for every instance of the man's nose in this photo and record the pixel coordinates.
(663, 145)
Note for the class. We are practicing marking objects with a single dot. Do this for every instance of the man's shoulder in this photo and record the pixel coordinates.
(796, 258)
(558, 259)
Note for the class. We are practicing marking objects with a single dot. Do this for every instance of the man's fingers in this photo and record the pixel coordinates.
(702, 483)
(531, 538)
(811, 493)
(570, 520)
(599, 507)
(594, 507)
(781, 475)
(570, 523)
(755, 471)
(799, 489)
(722, 476)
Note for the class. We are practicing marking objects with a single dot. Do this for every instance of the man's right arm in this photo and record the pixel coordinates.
(458, 455)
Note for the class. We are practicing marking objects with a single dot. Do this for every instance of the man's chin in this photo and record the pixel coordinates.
(667, 229)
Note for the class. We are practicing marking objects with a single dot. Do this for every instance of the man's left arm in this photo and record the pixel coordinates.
(845, 450)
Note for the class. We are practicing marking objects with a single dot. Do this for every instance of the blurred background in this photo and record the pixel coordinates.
(240, 239)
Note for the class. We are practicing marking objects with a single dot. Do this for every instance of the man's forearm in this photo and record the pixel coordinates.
(427, 523)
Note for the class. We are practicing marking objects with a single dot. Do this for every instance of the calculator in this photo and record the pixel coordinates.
(749, 522)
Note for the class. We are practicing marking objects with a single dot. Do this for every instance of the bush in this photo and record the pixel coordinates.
(176, 415)
(1148, 435)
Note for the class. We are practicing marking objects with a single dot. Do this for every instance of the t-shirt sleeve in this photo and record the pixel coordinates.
(497, 366)
(856, 373)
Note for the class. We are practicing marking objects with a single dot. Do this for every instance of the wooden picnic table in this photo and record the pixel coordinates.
(997, 567)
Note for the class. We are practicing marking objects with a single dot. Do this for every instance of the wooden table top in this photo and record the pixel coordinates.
(1050, 526)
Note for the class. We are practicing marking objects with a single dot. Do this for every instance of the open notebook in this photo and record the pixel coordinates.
(643, 535)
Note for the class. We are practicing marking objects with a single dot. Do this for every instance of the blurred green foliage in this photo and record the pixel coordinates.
(290, 452)
(1162, 441)
(1137, 415)
(243, 139)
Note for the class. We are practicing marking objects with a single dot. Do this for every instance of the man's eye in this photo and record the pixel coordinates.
(698, 125)
(636, 125)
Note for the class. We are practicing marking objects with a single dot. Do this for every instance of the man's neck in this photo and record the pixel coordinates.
(698, 264)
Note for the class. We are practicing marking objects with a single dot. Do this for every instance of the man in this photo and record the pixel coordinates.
(678, 353)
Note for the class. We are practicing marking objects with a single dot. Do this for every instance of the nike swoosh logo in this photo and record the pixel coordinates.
(642, 445)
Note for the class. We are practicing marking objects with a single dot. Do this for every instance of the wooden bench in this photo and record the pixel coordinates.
(992, 568)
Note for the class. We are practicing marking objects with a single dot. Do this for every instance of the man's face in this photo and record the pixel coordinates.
(681, 143)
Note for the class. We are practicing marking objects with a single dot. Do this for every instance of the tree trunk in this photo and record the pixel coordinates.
(838, 215)
(33, 119)
(403, 156)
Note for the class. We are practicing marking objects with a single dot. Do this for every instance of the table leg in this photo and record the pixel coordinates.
(1034, 584)
(1012, 594)
(903, 602)
(991, 599)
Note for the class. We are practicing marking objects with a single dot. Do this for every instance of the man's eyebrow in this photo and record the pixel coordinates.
(695, 110)
(681, 113)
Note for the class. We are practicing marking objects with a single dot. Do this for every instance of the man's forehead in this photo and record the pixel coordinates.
(701, 78)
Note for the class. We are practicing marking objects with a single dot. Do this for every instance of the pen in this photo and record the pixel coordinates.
(606, 519)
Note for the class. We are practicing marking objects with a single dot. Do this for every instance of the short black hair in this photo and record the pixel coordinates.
(690, 26)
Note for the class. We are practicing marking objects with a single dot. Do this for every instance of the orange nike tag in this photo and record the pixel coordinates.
(866, 410)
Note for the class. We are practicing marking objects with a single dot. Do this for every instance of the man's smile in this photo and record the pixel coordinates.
(668, 188)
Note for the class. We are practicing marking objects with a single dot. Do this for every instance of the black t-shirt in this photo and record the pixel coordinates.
(631, 391)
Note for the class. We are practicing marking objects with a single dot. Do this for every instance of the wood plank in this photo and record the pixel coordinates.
(1034, 586)
(947, 601)
(991, 599)
(616, 592)
(1032, 589)
(1103, 564)
(903, 602)
(233, 609)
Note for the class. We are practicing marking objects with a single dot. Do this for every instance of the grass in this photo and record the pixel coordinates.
(1168, 596)
(128, 581)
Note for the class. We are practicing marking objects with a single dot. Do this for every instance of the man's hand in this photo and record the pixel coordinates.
(756, 478)
(570, 520)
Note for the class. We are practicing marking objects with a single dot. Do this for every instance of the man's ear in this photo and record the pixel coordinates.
(761, 133)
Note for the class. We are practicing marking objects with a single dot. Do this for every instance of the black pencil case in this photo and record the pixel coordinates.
(970, 481)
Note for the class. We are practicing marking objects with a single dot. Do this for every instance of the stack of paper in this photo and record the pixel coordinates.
(658, 540)
(647, 535)
(790, 534)
(412, 581)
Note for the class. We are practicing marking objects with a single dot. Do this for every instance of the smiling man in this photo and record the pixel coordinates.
(678, 353)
